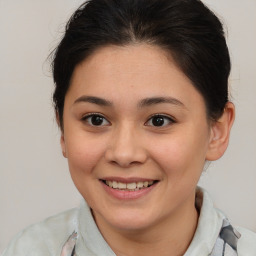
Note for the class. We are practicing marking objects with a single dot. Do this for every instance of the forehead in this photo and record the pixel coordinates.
(129, 73)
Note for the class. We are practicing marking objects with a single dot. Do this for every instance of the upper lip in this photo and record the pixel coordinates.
(128, 179)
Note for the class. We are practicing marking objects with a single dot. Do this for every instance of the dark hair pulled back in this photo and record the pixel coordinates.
(186, 29)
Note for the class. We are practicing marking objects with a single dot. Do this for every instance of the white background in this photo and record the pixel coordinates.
(34, 177)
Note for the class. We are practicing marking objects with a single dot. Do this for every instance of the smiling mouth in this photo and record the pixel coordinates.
(132, 186)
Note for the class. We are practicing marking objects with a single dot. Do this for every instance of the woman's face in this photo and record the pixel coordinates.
(132, 118)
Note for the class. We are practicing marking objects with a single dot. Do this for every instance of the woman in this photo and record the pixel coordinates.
(141, 99)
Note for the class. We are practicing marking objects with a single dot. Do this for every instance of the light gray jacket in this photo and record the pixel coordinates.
(47, 238)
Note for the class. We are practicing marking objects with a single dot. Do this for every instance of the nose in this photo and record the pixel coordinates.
(125, 148)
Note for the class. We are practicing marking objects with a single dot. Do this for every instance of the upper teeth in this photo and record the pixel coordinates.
(130, 186)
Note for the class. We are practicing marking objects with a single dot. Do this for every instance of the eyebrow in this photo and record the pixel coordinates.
(158, 100)
(143, 103)
(94, 100)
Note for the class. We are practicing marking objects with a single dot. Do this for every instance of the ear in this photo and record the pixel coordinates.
(63, 144)
(220, 132)
(62, 138)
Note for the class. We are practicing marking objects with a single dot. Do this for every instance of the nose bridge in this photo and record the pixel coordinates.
(125, 146)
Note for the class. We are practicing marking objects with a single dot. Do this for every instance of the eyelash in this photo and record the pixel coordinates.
(86, 117)
(165, 117)
(170, 119)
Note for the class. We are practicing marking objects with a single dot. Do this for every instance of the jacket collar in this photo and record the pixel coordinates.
(91, 242)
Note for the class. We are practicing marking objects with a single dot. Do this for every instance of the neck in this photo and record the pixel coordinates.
(171, 236)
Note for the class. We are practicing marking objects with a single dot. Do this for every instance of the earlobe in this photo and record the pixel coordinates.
(220, 132)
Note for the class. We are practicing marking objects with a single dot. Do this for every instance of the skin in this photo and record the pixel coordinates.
(128, 144)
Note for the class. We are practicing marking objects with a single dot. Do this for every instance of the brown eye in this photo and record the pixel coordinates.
(95, 120)
(159, 121)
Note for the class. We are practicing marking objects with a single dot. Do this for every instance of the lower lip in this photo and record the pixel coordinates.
(128, 195)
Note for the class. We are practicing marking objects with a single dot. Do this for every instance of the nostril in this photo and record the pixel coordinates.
(125, 152)
(126, 164)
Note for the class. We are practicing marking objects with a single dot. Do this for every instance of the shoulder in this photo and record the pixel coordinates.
(246, 243)
(44, 238)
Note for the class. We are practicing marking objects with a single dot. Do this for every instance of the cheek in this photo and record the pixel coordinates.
(83, 155)
(182, 154)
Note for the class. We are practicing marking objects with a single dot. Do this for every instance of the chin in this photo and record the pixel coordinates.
(130, 221)
(132, 226)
